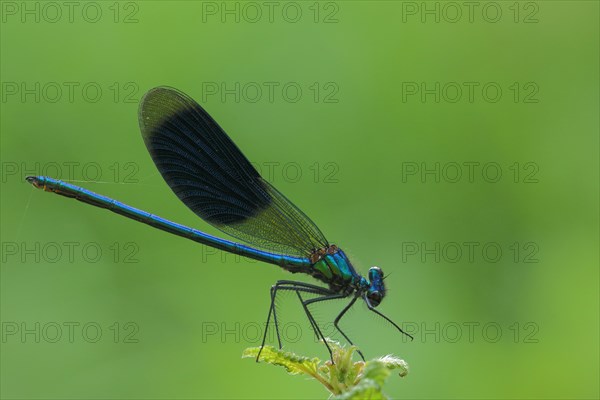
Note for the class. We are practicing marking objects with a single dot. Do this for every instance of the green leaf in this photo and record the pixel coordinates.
(367, 389)
(392, 362)
(293, 363)
(345, 379)
(377, 371)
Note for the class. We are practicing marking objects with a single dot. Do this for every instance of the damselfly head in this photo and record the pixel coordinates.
(376, 290)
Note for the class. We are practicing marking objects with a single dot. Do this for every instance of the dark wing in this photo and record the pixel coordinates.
(208, 172)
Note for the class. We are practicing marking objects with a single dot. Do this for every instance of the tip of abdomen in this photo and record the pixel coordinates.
(36, 181)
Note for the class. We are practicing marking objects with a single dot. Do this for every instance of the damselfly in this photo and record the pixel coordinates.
(208, 172)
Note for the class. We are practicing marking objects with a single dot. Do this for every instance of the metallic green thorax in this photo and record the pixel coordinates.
(335, 269)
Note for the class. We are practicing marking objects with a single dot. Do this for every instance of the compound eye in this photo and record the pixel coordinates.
(375, 273)
(375, 298)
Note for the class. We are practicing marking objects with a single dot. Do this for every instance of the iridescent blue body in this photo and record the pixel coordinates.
(68, 190)
(332, 268)
(209, 174)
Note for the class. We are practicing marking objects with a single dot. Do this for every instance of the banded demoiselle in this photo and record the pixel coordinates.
(211, 176)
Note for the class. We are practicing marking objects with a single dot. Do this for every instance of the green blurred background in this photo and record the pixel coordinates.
(349, 149)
